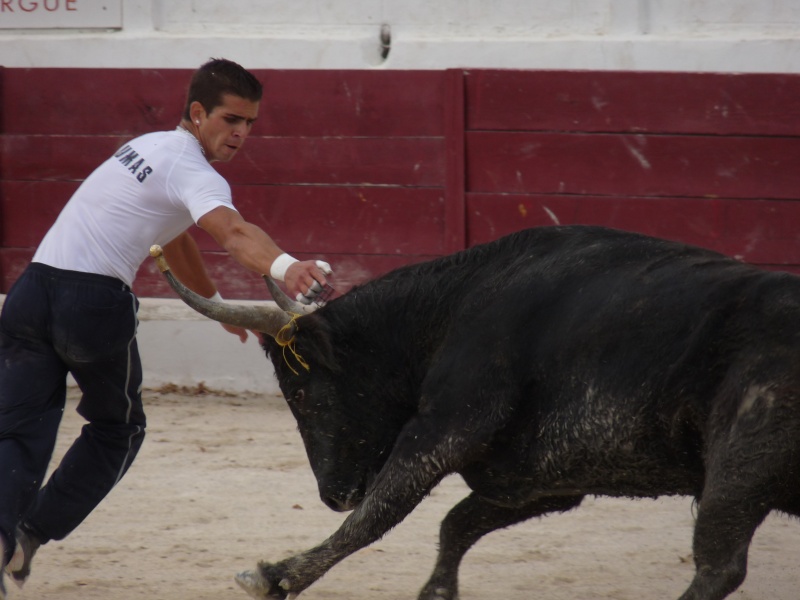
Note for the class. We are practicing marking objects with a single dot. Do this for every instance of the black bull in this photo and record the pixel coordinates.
(542, 367)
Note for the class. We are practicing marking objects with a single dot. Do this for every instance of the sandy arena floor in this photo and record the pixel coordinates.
(223, 482)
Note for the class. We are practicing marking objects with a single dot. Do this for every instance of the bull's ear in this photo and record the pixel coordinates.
(314, 337)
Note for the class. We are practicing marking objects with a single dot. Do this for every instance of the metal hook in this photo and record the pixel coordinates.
(386, 40)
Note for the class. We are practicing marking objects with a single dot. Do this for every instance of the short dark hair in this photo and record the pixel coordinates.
(217, 77)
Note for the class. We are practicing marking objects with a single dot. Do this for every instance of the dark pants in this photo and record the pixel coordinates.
(54, 322)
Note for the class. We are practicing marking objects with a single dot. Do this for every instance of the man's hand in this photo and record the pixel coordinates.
(305, 279)
(242, 333)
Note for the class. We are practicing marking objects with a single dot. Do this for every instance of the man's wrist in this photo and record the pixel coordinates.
(280, 265)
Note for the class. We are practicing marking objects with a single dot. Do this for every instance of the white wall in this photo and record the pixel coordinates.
(178, 346)
(690, 35)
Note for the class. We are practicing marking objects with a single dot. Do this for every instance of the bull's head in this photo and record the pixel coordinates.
(344, 453)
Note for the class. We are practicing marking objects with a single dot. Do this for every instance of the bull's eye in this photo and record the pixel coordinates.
(297, 402)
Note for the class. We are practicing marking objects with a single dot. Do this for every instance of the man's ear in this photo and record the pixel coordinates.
(196, 112)
(315, 333)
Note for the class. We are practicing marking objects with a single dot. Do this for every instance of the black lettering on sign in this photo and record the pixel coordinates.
(38, 6)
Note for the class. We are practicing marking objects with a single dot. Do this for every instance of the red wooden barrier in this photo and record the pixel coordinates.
(710, 159)
(342, 165)
(375, 169)
(634, 102)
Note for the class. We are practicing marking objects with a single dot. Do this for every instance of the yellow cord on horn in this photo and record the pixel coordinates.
(284, 343)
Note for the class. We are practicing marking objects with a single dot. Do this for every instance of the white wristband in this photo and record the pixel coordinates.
(280, 265)
(216, 297)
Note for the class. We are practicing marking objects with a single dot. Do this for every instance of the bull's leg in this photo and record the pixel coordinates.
(287, 578)
(721, 540)
(419, 461)
(744, 478)
(436, 442)
(466, 523)
(751, 466)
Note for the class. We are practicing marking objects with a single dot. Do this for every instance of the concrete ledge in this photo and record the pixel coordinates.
(728, 53)
(179, 347)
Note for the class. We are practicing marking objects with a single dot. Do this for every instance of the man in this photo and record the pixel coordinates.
(72, 310)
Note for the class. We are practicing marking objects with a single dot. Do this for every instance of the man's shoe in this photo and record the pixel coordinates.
(19, 567)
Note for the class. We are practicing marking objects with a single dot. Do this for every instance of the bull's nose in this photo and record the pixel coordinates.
(336, 504)
(343, 502)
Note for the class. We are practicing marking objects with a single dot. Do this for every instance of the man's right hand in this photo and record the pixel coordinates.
(305, 279)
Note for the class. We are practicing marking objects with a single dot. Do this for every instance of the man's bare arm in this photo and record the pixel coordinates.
(184, 259)
(186, 264)
(254, 249)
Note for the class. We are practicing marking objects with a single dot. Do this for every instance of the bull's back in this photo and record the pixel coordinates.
(624, 344)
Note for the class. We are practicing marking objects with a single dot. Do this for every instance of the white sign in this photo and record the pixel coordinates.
(60, 14)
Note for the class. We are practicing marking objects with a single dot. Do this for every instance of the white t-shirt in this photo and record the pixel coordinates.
(150, 191)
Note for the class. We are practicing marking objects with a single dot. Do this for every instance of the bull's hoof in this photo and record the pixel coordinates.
(265, 588)
(252, 583)
(440, 588)
(438, 593)
(257, 587)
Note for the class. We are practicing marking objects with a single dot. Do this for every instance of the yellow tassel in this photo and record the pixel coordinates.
(284, 343)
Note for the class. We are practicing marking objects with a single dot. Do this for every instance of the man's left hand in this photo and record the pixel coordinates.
(238, 331)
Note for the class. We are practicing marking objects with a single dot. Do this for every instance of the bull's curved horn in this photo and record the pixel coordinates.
(267, 319)
(284, 301)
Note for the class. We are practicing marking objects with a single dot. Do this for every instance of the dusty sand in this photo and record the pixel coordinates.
(223, 482)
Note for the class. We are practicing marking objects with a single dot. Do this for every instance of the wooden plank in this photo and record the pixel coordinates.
(344, 220)
(608, 101)
(400, 161)
(125, 102)
(29, 209)
(794, 269)
(295, 103)
(350, 103)
(756, 231)
(3, 103)
(455, 171)
(339, 160)
(358, 220)
(352, 220)
(643, 165)
(12, 262)
(55, 157)
(762, 231)
(493, 215)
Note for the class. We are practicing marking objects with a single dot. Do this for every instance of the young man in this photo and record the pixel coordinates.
(72, 310)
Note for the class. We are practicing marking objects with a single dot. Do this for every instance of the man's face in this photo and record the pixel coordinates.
(223, 131)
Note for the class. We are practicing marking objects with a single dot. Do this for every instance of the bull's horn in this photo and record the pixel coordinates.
(283, 300)
(267, 319)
